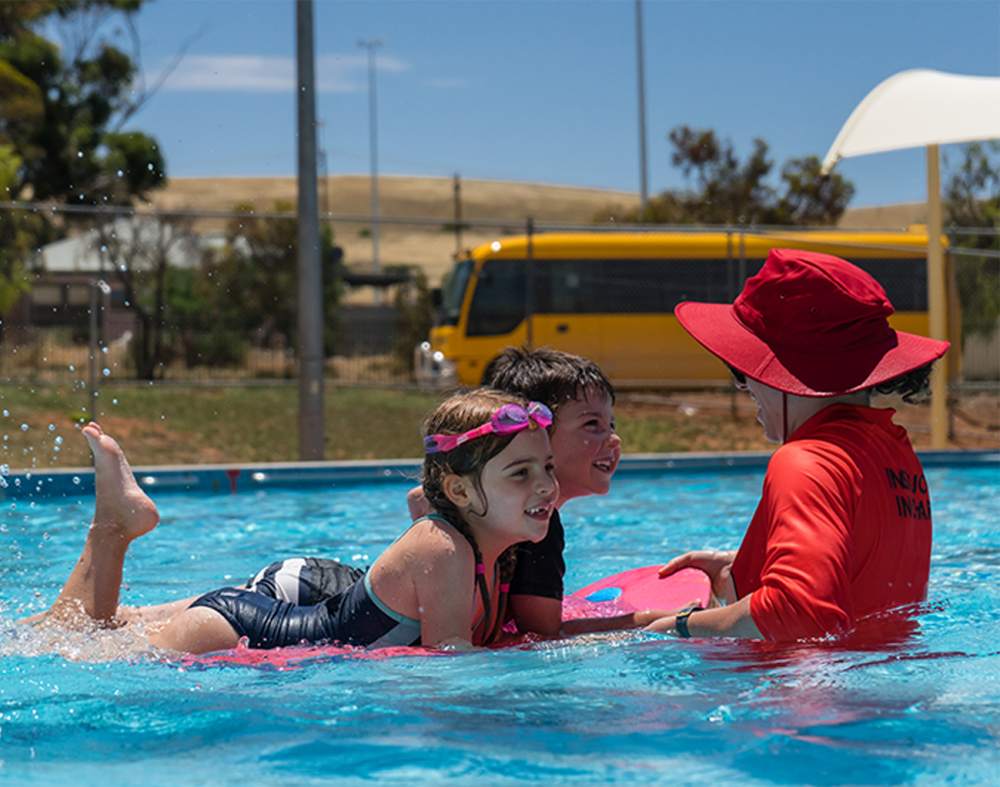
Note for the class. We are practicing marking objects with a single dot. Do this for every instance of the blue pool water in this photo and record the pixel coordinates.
(628, 708)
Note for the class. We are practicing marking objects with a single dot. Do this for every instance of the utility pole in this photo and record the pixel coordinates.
(372, 45)
(310, 291)
(644, 189)
(458, 216)
(324, 174)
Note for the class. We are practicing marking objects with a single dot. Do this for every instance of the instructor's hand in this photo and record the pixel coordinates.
(715, 563)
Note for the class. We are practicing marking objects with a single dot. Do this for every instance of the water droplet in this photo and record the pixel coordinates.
(114, 401)
(4, 469)
(120, 173)
(76, 479)
(72, 368)
(104, 350)
(106, 372)
(6, 413)
(24, 427)
(59, 440)
(52, 427)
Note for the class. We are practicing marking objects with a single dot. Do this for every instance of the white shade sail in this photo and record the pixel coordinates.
(918, 108)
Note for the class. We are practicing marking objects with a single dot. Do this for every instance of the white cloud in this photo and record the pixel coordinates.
(250, 73)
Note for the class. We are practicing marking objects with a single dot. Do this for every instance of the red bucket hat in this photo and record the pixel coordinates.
(809, 324)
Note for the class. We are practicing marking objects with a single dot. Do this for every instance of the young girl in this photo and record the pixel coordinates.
(488, 473)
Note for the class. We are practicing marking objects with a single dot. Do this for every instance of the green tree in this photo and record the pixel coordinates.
(726, 190)
(972, 202)
(63, 108)
(251, 285)
(414, 317)
(21, 231)
(809, 197)
(141, 251)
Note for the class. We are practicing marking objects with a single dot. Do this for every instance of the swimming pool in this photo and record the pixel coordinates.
(921, 708)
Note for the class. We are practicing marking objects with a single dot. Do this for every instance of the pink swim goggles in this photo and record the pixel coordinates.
(508, 419)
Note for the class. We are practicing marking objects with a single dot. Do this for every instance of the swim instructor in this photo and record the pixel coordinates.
(843, 528)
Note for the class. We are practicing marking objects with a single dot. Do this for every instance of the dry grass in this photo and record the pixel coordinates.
(168, 425)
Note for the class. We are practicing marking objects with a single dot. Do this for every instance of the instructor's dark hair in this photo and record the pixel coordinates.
(914, 386)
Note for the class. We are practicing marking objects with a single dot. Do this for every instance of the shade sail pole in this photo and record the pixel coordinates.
(936, 300)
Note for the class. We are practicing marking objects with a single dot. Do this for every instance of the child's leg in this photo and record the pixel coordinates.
(197, 630)
(123, 512)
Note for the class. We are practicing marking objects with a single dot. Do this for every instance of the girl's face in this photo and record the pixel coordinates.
(518, 492)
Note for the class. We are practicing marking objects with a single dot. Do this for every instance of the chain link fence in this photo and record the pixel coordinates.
(185, 297)
(977, 286)
(209, 297)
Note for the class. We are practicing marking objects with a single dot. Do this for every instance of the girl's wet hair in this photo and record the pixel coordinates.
(457, 415)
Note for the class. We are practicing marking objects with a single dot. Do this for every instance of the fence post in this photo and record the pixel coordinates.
(936, 302)
(98, 287)
(529, 285)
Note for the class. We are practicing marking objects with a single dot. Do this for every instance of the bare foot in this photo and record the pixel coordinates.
(122, 507)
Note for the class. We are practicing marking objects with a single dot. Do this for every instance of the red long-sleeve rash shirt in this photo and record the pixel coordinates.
(843, 528)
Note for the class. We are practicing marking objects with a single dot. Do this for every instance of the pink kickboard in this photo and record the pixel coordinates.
(636, 589)
(639, 588)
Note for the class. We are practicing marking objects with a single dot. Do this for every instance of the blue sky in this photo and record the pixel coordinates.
(545, 90)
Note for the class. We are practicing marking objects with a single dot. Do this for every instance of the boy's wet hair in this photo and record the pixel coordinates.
(549, 376)
(459, 414)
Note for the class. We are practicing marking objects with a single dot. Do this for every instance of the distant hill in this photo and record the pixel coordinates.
(432, 246)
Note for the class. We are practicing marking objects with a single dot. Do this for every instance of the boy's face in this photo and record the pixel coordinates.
(585, 446)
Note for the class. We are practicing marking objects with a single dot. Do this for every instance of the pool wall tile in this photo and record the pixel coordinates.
(40, 484)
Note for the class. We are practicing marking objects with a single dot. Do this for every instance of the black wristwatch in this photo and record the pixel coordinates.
(681, 621)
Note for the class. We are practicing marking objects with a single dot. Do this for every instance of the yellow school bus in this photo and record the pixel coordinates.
(611, 296)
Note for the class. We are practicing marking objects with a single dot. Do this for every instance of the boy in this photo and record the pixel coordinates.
(586, 451)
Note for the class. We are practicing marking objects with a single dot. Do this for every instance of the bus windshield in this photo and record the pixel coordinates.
(453, 291)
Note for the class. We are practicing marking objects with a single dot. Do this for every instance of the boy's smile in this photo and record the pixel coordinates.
(585, 447)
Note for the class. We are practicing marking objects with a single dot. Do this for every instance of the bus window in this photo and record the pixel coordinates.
(498, 302)
(656, 286)
(631, 286)
(453, 292)
(567, 287)
(902, 279)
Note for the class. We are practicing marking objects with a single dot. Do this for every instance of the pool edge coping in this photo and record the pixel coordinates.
(249, 477)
